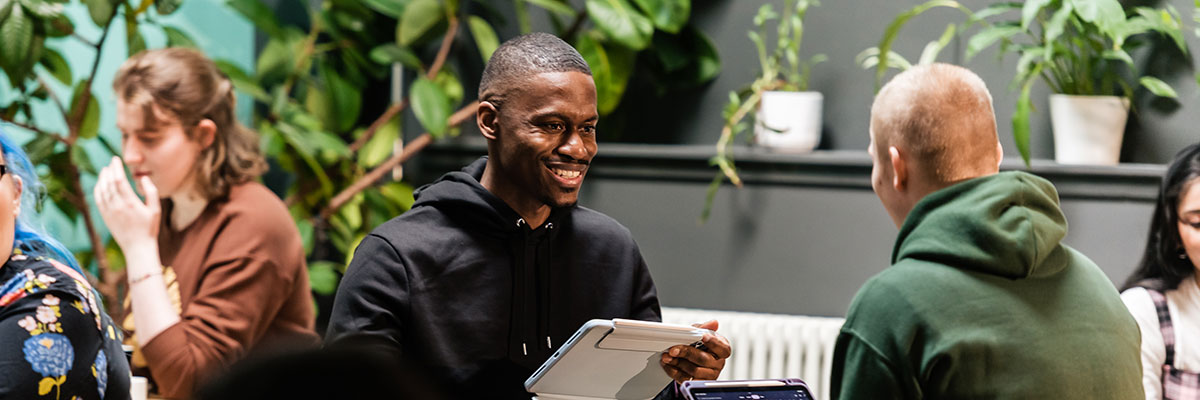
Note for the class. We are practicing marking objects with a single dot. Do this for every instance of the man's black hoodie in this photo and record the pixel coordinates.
(461, 286)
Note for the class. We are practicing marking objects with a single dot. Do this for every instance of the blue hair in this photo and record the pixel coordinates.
(29, 236)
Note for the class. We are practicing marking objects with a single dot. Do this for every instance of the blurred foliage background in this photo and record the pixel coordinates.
(324, 97)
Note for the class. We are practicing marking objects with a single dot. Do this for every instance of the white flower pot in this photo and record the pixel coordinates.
(789, 121)
(1088, 129)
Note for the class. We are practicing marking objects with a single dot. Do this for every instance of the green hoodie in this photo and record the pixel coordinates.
(984, 301)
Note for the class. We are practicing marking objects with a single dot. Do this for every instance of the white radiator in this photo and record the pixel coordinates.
(771, 345)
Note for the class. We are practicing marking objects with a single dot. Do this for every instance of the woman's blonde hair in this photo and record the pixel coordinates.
(186, 85)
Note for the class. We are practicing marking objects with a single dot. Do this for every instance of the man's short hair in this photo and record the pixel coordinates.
(942, 115)
(524, 56)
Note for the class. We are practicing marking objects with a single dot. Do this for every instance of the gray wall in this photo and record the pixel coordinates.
(841, 29)
(807, 230)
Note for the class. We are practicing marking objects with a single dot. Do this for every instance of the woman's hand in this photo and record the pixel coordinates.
(131, 221)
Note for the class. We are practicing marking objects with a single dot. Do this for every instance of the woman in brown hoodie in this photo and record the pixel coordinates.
(215, 264)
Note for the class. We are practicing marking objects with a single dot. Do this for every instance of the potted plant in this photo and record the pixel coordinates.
(787, 115)
(1078, 48)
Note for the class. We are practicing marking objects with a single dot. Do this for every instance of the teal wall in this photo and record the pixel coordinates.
(217, 30)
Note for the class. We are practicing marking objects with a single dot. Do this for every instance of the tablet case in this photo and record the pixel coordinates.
(616, 359)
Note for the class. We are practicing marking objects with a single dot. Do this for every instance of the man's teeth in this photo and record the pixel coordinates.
(566, 173)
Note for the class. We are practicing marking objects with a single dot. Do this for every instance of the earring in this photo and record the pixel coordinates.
(1182, 254)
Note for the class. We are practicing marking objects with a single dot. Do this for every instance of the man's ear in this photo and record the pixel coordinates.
(899, 169)
(206, 131)
(999, 154)
(488, 119)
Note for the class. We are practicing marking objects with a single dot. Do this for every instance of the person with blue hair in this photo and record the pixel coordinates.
(56, 341)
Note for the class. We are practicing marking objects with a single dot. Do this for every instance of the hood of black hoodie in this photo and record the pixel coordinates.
(460, 195)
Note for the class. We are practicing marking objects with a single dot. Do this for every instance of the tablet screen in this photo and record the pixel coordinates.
(747, 393)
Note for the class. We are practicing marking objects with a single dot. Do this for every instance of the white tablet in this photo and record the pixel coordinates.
(617, 359)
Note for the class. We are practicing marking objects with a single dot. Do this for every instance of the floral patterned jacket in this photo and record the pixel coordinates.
(55, 340)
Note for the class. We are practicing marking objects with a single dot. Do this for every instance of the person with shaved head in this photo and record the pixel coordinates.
(495, 266)
(982, 300)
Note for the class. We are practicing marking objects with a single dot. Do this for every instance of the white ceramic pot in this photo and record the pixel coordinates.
(1088, 129)
(789, 121)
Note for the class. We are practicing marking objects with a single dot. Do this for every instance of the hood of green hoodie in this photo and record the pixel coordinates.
(1005, 224)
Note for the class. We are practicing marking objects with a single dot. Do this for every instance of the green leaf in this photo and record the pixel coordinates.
(1162, 21)
(278, 57)
(306, 233)
(58, 26)
(381, 146)
(391, 53)
(345, 97)
(893, 30)
(1057, 23)
(1030, 11)
(17, 32)
(556, 7)
(41, 9)
(988, 36)
(597, 59)
(398, 193)
(391, 8)
(176, 38)
(6, 7)
(79, 157)
(621, 23)
(90, 124)
(430, 105)
(323, 277)
(165, 7)
(667, 15)
(1020, 118)
(1108, 15)
(1119, 55)
(997, 9)
(259, 14)
(242, 81)
(101, 11)
(621, 61)
(929, 55)
(1158, 87)
(133, 37)
(485, 37)
(522, 16)
(449, 85)
(419, 16)
(57, 66)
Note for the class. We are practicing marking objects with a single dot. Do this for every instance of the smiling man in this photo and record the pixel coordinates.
(495, 266)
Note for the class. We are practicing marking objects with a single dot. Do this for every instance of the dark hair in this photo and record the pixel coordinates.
(523, 56)
(28, 235)
(1161, 267)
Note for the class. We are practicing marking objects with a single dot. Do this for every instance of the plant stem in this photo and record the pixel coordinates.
(410, 150)
(576, 25)
(444, 51)
(379, 122)
(108, 286)
(34, 129)
(74, 121)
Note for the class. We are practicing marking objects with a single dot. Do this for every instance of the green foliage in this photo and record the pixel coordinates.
(1077, 47)
(60, 156)
(313, 87)
(781, 69)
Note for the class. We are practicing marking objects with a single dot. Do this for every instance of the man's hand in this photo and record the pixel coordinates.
(684, 363)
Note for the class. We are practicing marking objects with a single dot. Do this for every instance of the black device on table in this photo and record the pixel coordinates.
(762, 389)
